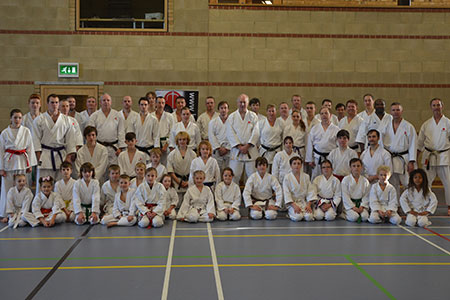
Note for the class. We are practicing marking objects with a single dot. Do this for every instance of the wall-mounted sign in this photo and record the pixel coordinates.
(190, 96)
(71, 70)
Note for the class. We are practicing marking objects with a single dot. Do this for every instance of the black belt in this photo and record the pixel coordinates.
(434, 153)
(109, 144)
(209, 184)
(182, 177)
(161, 140)
(145, 149)
(270, 149)
(354, 147)
(322, 155)
(52, 154)
(398, 154)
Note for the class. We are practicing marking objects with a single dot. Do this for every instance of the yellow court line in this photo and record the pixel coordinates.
(129, 237)
(232, 265)
(323, 234)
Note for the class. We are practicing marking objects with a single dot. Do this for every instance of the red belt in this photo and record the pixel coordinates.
(18, 152)
(340, 177)
(46, 211)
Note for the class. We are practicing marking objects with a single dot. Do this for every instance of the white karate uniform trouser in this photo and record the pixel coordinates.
(33, 221)
(353, 216)
(223, 216)
(157, 221)
(258, 214)
(7, 183)
(13, 220)
(375, 218)
(194, 216)
(329, 215)
(122, 221)
(298, 217)
(412, 220)
(222, 161)
(397, 178)
(238, 168)
(84, 220)
(444, 174)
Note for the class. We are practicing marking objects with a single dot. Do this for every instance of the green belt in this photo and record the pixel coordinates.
(357, 204)
(87, 208)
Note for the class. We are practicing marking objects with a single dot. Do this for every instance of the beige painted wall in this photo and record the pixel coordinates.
(312, 59)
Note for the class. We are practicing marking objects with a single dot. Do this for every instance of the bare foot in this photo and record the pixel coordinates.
(111, 224)
(5, 220)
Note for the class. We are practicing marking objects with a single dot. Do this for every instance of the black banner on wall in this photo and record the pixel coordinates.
(190, 96)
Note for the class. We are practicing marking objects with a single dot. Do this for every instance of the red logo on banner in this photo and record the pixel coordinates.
(171, 97)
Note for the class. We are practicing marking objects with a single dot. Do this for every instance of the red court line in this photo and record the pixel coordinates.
(439, 235)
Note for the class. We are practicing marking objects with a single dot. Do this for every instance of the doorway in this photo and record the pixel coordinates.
(79, 92)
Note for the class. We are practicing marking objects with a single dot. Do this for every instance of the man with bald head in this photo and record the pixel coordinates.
(110, 127)
(243, 135)
(129, 116)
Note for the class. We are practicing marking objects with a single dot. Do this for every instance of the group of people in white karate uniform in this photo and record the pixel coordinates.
(125, 167)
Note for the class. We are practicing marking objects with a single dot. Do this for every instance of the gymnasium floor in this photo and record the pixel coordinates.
(228, 260)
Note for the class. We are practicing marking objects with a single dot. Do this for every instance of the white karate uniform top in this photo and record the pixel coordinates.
(228, 194)
(127, 167)
(281, 165)
(372, 122)
(243, 131)
(83, 194)
(383, 200)
(107, 193)
(411, 199)
(150, 195)
(27, 121)
(352, 128)
(298, 192)
(298, 135)
(147, 133)
(18, 202)
(311, 125)
(165, 126)
(340, 160)
(327, 188)
(78, 135)
(323, 141)
(217, 134)
(16, 139)
(111, 128)
(285, 122)
(84, 120)
(171, 198)
(211, 169)
(355, 190)
(99, 159)
(262, 189)
(123, 208)
(53, 134)
(175, 118)
(203, 123)
(178, 164)
(191, 129)
(435, 137)
(334, 119)
(202, 201)
(372, 162)
(270, 136)
(53, 202)
(65, 190)
(132, 116)
(404, 139)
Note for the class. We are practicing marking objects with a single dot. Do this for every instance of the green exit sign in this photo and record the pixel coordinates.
(68, 70)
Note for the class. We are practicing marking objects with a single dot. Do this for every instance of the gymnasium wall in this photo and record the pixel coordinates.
(271, 53)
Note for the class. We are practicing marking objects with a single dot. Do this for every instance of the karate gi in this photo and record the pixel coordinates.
(65, 190)
(86, 199)
(27, 121)
(203, 123)
(434, 142)
(270, 139)
(298, 192)
(309, 126)
(322, 141)
(111, 132)
(228, 196)
(334, 119)
(299, 136)
(147, 133)
(132, 117)
(380, 200)
(197, 205)
(341, 159)
(133, 184)
(78, 135)
(352, 128)
(165, 125)
(359, 191)
(99, 160)
(327, 191)
(191, 129)
(281, 165)
(211, 169)
(107, 195)
(172, 199)
(84, 116)
(45, 207)
(402, 146)
(127, 166)
(121, 210)
(240, 132)
(148, 199)
(369, 123)
(259, 191)
(285, 122)
(160, 170)
(411, 199)
(180, 166)
(16, 155)
(17, 204)
(217, 134)
(371, 162)
(55, 140)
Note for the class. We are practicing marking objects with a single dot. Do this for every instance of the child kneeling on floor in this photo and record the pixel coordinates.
(418, 201)
(328, 197)
(86, 196)
(383, 199)
(258, 192)
(228, 197)
(18, 201)
(198, 202)
(150, 200)
(355, 193)
(122, 205)
(46, 206)
(171, 197)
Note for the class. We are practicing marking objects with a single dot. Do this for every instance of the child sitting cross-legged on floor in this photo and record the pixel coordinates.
(18, 201)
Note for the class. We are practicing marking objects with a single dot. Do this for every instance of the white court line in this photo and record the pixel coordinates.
(4, 228)
(165, 290)
(276, 228)
(215, 264)
(425, 240)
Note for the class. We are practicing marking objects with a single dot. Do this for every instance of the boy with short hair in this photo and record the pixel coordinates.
(130, 157)
(155, 159)
(109, 189)
(258, 192)
(341, 156)
(355, 193)
(140, 175)
(64, 188)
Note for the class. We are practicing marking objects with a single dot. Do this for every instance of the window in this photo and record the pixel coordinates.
(141, 15)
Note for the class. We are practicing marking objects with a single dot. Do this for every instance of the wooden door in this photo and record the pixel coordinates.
(79, 92)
